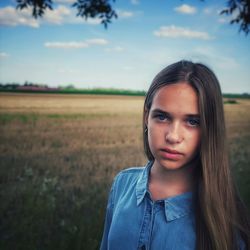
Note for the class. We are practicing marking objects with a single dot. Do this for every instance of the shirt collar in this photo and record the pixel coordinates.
(142, 183)
(178, 206)
(175, 207)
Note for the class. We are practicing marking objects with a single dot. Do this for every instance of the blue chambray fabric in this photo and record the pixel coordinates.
(134, 221)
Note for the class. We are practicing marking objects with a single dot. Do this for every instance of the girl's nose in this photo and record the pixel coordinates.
(173, 134)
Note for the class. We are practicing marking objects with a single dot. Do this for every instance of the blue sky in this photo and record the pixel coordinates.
(62, 49)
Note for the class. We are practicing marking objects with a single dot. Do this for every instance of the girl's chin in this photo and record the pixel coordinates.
(170, 165)
(176, 165)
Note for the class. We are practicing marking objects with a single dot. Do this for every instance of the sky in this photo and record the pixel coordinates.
(61, 49)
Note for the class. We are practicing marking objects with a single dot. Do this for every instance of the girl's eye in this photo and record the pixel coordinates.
(193, 122)
(161, 117)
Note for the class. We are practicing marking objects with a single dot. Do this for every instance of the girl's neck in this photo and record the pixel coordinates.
(165, 183)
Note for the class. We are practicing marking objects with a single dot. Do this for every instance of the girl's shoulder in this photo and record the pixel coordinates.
(129, 173)
(124, 184)
(131, 170)
(127, 177)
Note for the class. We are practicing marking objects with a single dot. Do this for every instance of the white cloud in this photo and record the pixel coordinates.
(76, 45)
(115, 49)
(226, 63)
(176, 32)
(57, 16)
(222, 20)
(124, 13)
(127, 68)
(208, 10)
(66, 45)
(63, 14)
(64, 1)
(92, 21)
(212, 11)
(97, 41)
(214, 57)
(9, 16)
(186, 9)
(3, 55)
(135, 2)
(68, 71)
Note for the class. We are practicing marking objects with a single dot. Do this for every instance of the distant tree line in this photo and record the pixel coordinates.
(15, 85)
(9, 86)
(30, 87)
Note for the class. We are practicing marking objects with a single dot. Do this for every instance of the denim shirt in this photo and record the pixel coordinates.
(134, 221)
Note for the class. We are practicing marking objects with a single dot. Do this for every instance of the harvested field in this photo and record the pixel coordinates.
(59, 154)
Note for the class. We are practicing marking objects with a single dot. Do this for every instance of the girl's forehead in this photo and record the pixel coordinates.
(181, 96)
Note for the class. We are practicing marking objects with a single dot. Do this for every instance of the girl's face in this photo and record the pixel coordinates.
(174, 126)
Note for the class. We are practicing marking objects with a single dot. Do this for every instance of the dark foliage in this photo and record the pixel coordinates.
(101, 9)
(240, 8)
(39, 6)
(95, 8)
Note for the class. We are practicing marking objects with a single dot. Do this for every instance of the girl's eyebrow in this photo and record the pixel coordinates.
(169, 114)
(193, 115)
(160, 111)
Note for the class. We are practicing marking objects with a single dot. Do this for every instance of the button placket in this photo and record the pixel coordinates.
(144, 240)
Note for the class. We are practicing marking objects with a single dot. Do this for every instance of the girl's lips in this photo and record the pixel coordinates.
(171, 154)
(171, 151)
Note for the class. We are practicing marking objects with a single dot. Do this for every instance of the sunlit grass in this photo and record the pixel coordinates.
(59, 155)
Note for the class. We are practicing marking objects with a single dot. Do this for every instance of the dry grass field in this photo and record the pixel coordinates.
(59, 154)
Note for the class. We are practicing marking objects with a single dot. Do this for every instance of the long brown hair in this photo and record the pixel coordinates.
(221, 217)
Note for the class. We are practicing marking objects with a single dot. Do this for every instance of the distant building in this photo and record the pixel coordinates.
(36, 88)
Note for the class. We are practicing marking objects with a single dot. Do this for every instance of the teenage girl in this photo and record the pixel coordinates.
(184, 198)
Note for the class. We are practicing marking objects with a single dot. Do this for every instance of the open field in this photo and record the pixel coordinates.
(59, 153)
